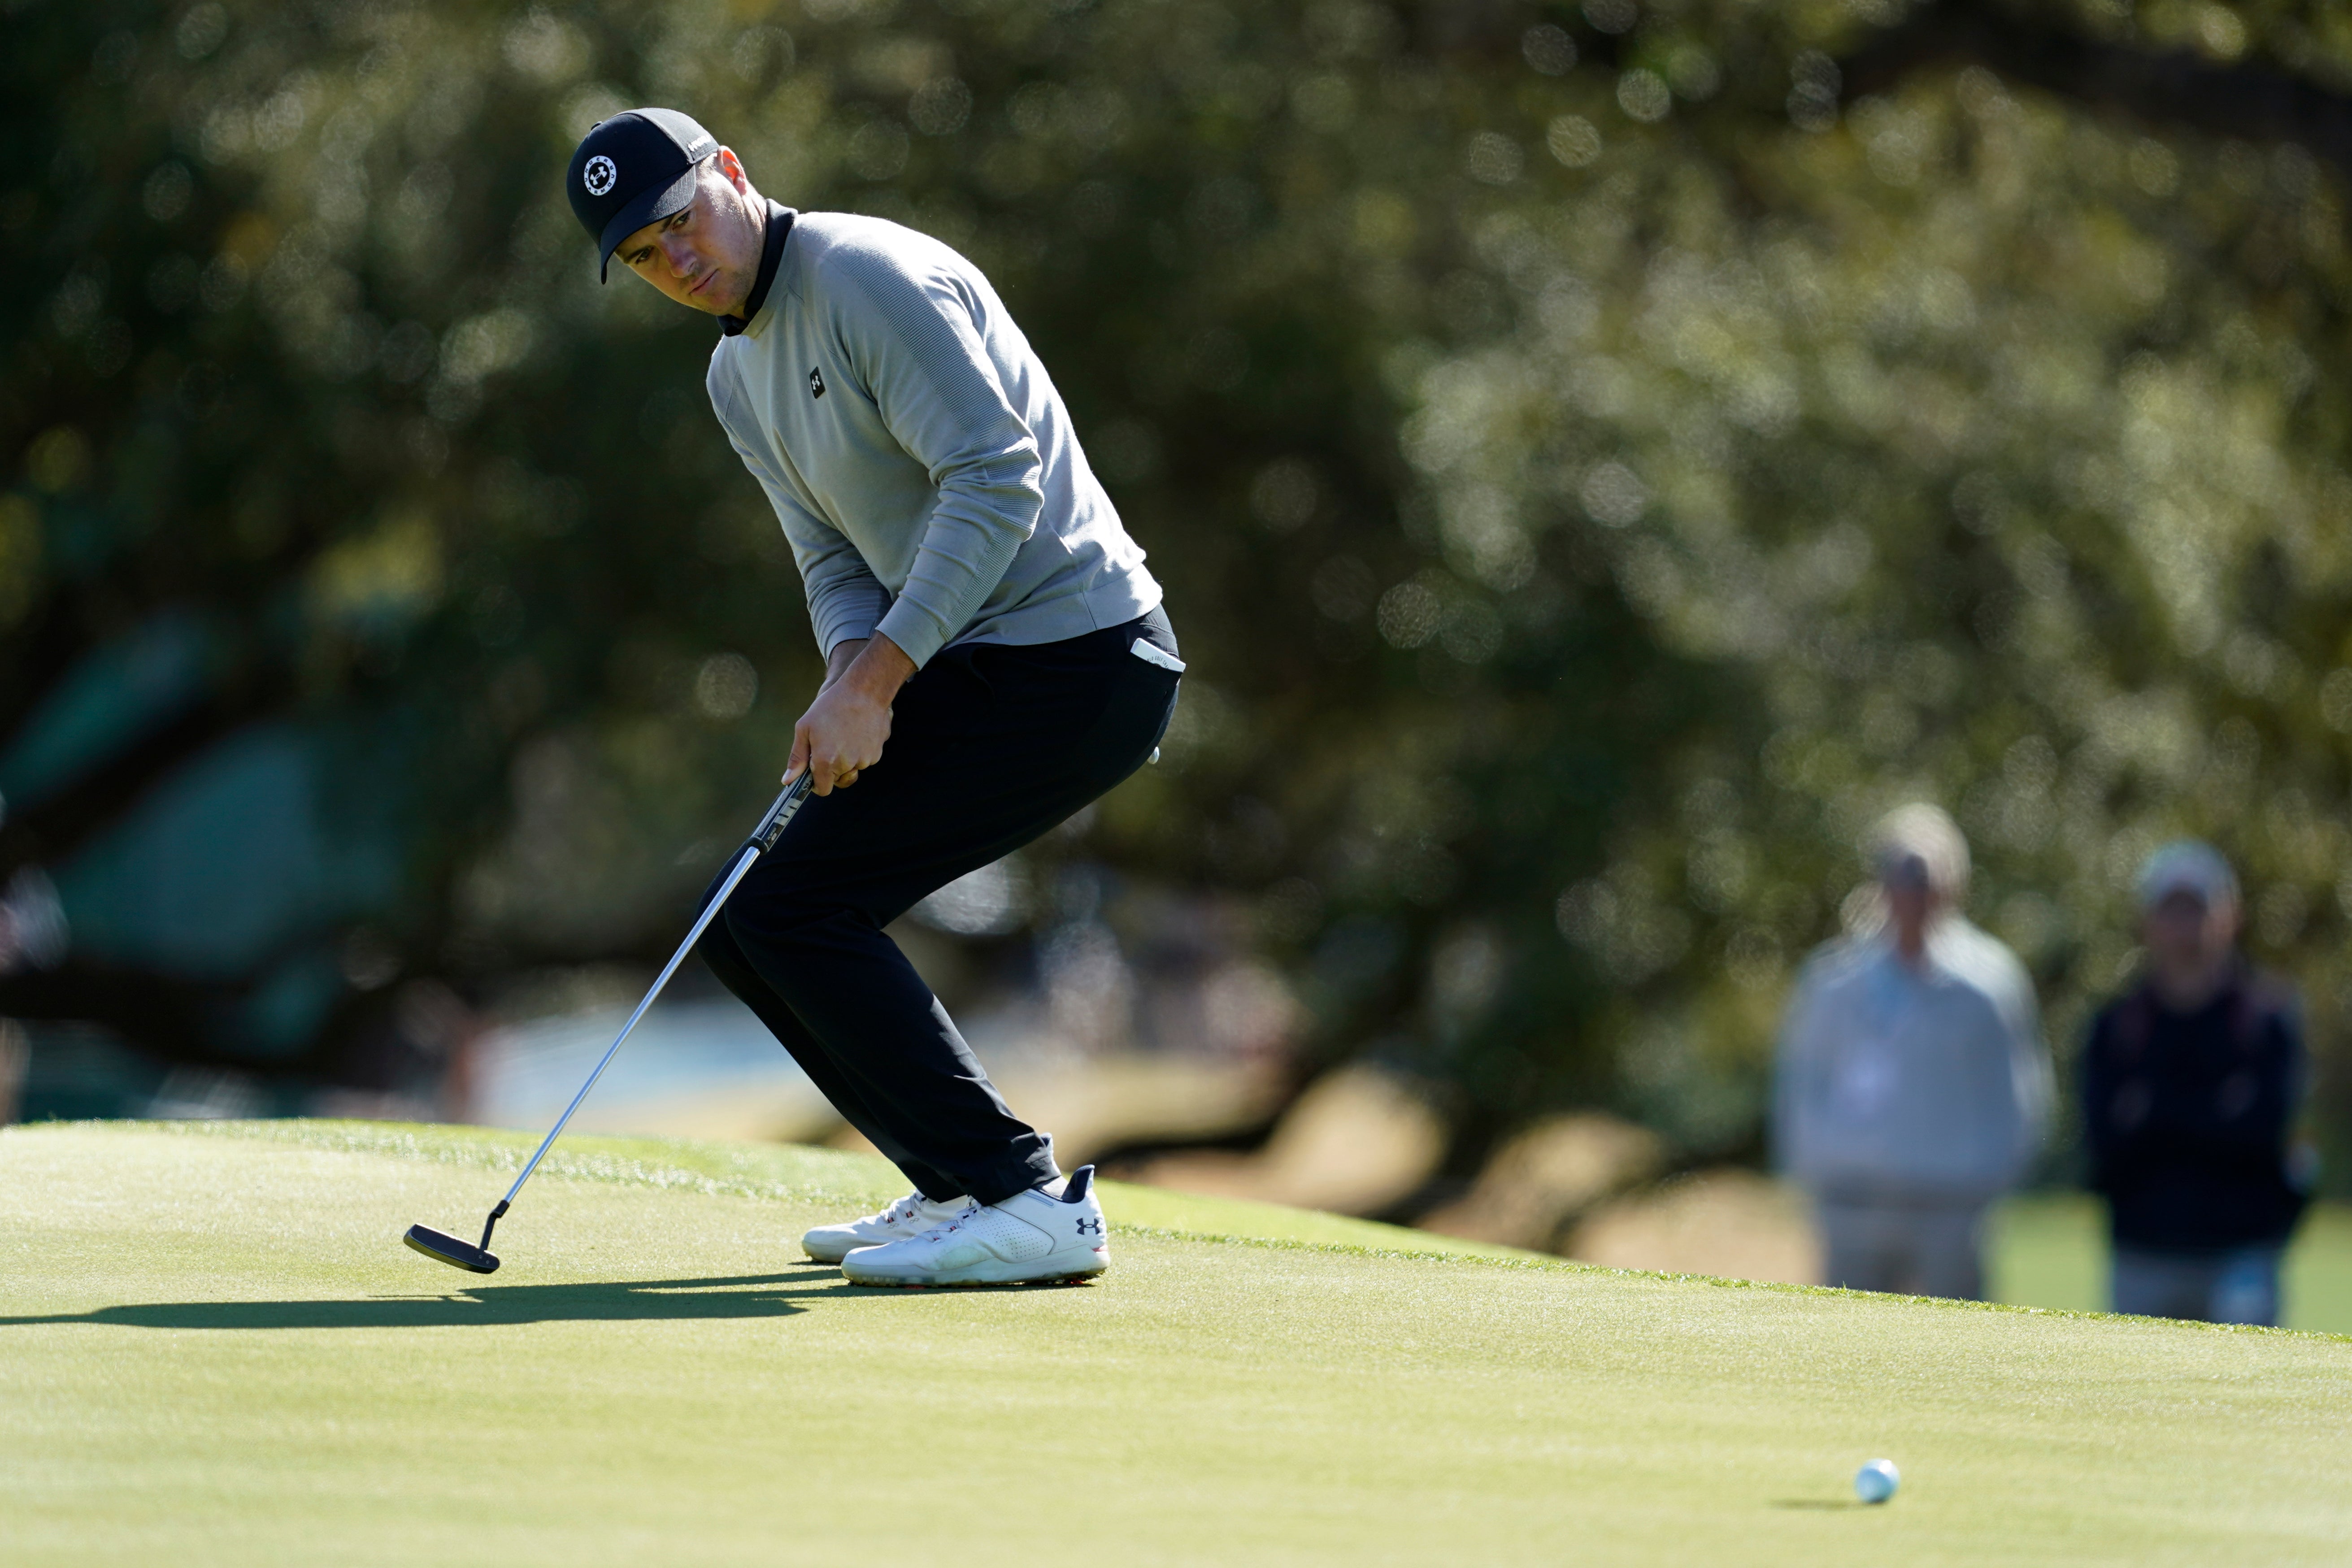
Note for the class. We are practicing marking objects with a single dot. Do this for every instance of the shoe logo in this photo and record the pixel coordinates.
(1089, 1225)
(816, 382)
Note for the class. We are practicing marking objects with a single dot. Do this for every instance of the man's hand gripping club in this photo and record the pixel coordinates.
(842, 733)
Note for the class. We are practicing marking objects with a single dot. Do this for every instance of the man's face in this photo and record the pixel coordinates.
(706, 254)
(1911, 900)
(2186, 938)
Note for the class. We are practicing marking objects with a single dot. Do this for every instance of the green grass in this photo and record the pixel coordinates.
(213, 1350)
(2051, 1250)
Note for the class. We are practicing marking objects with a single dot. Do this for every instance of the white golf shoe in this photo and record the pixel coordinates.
(910, 1216)
(1029, 1238)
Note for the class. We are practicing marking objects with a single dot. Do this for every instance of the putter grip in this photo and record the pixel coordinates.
(779, 815)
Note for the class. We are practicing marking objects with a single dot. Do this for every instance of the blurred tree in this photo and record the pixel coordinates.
(1599, 459)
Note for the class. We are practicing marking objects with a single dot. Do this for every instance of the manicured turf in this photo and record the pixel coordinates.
(213, 1350)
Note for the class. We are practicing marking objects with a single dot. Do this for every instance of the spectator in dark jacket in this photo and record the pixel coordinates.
(2189, 1086)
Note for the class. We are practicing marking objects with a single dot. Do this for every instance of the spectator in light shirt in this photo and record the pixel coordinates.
(1912, 1087)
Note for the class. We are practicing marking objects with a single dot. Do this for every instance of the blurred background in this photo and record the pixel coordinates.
(1599, 457)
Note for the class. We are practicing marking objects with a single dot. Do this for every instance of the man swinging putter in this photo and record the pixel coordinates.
(996, 658)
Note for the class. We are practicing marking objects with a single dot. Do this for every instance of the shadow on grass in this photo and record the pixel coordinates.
(483, 1306)
(487, 1306)
(1820, 1505)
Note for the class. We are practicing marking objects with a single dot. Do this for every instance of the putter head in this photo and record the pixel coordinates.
(449, 1249)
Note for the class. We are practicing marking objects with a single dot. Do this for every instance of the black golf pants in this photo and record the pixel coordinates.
(989, 746)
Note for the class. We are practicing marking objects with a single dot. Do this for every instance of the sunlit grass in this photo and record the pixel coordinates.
(213, 1350)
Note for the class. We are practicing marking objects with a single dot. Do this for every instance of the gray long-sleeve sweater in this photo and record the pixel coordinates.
(917, 453)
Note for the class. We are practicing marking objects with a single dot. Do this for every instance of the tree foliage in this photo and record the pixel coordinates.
(1598, 459)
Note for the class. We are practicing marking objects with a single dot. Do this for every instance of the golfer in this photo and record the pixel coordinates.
(996, 658)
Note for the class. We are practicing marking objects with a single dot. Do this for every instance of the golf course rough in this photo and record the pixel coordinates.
(215, 1350)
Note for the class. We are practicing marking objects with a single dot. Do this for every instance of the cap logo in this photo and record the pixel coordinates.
(599, 176)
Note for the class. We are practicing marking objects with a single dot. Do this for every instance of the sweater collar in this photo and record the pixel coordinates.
(780, 226)
(2236, 980)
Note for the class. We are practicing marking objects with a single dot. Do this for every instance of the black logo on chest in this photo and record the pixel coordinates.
(816, 384)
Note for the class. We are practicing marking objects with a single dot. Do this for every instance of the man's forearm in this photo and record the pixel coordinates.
(836, 663)
(874, 665)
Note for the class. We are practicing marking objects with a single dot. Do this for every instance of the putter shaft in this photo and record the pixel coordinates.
(763, 838)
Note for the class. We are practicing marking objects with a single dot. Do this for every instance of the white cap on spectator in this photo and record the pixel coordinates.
(1920, 839)
(2186, 866)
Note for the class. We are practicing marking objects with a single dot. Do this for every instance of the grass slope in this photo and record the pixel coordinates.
(213, 1350)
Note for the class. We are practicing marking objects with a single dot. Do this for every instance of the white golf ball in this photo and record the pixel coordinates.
(1876, 1481)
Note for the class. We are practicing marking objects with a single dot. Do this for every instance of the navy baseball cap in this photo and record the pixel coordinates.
(632, 170)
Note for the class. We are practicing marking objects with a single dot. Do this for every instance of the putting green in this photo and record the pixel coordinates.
(214, 1350)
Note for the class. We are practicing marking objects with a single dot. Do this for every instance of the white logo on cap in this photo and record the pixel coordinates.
(599, 176)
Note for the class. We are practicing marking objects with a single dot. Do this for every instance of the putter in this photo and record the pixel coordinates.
(445, 1248)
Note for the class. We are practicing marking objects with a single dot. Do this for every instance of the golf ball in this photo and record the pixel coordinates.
(1876, 1481)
